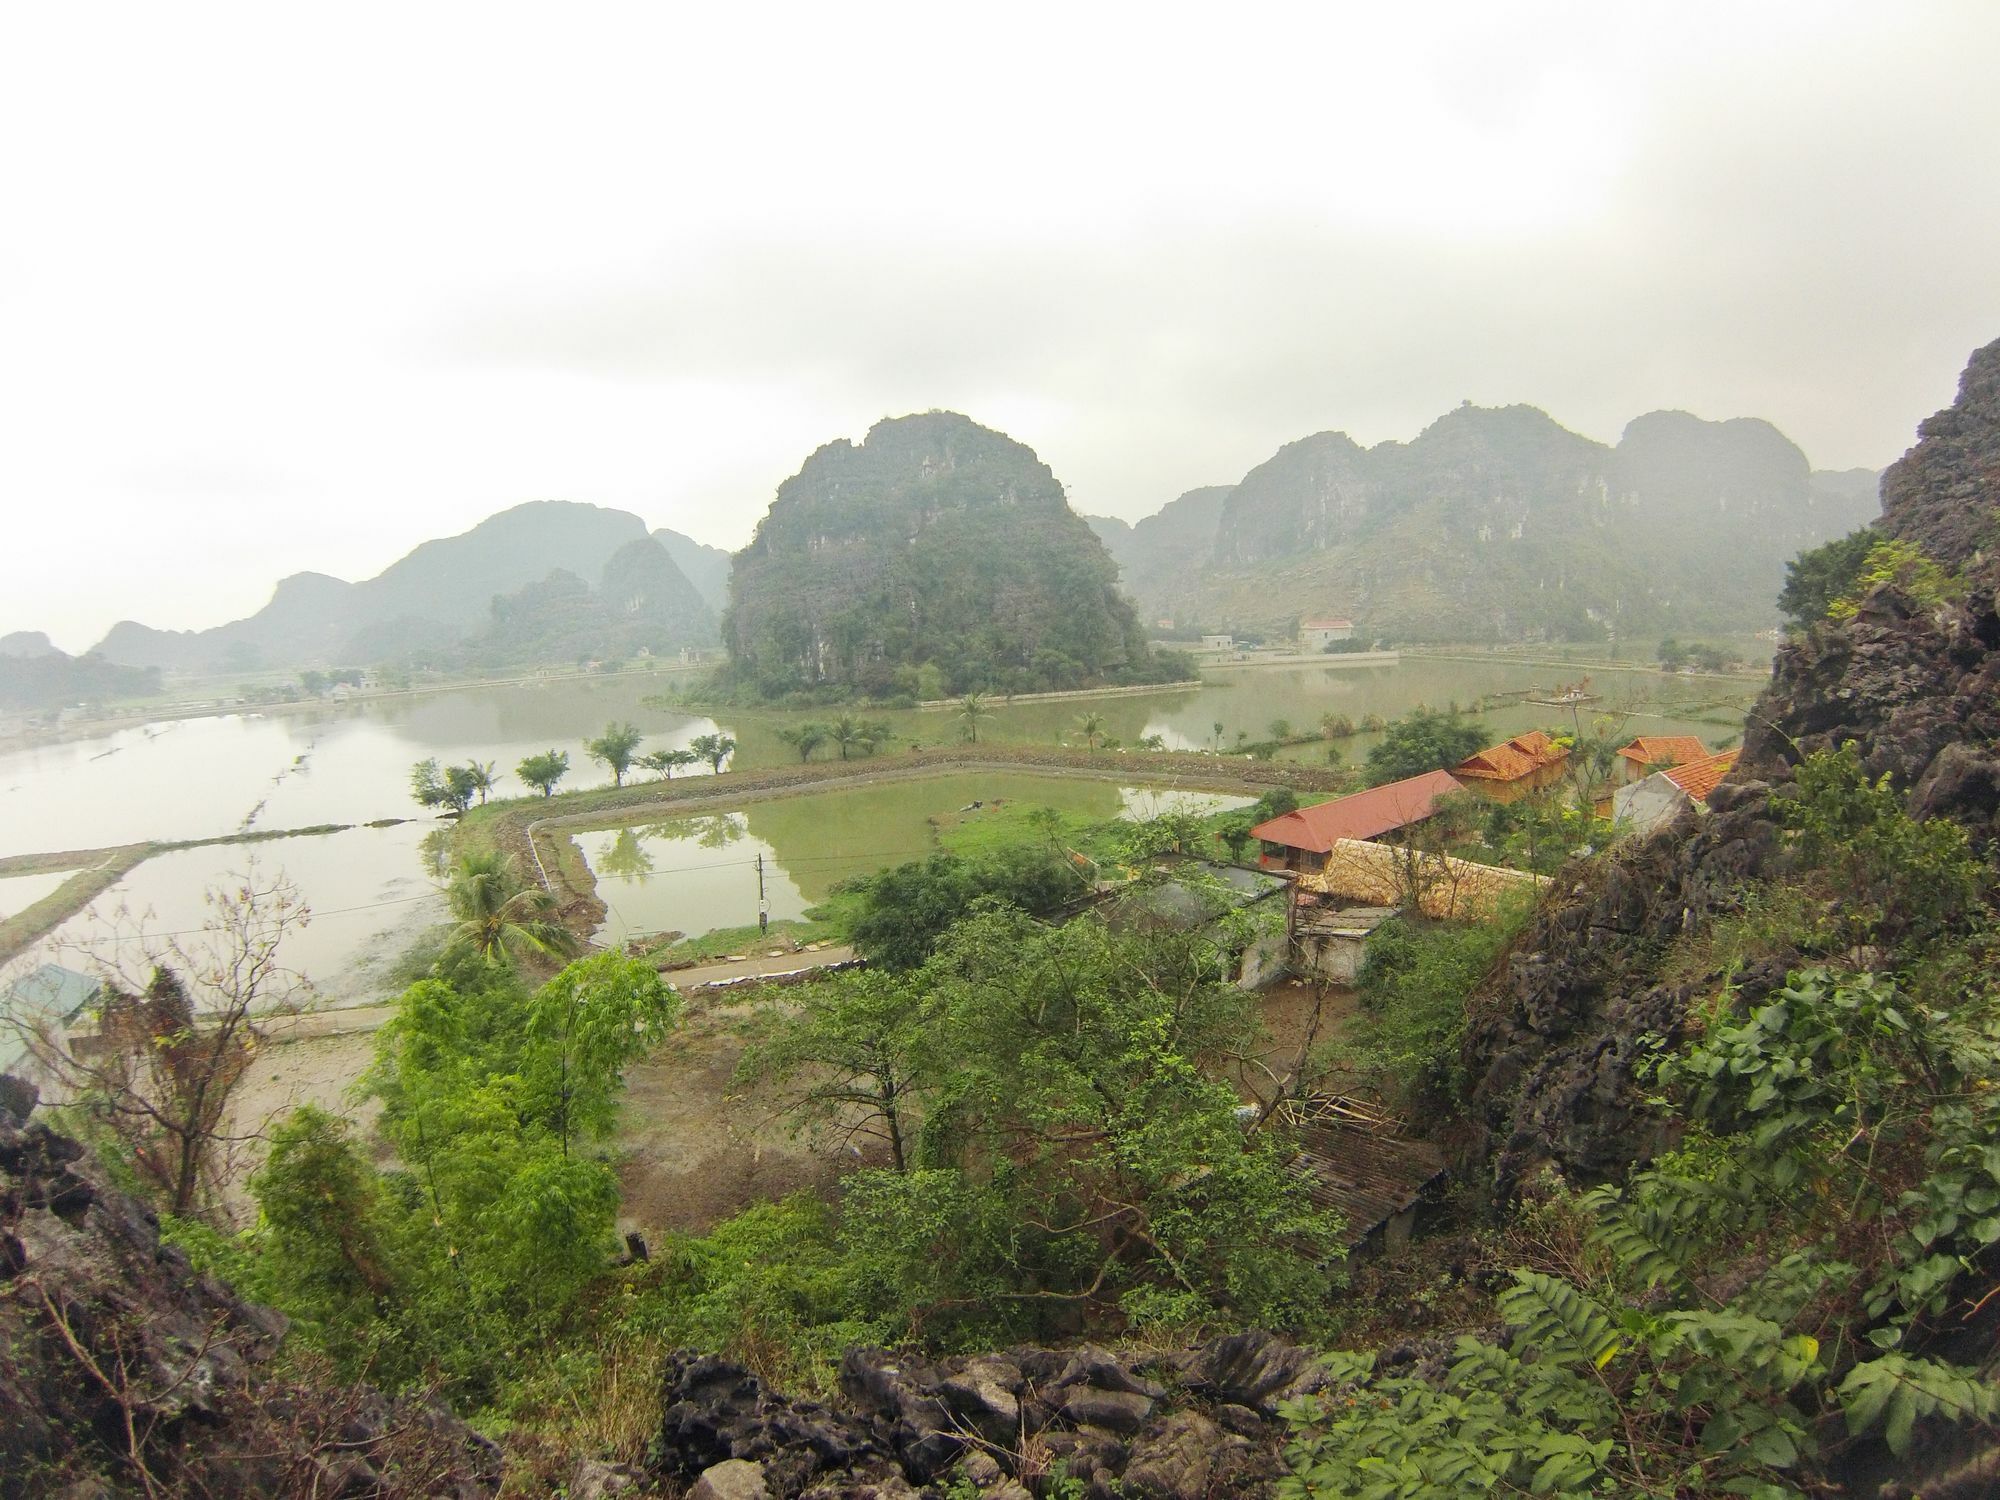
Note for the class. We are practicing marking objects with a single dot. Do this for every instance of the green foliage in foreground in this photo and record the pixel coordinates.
(1064, 1154)
(499, 1218)
(1835, 1207)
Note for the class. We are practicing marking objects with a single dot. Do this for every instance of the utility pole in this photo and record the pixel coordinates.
(763, 907)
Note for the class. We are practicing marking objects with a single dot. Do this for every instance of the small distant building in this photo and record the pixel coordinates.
(1645, 804)
(1516, 768)
(1301, 839)
(1317, 635)
(1656, 752)
(48, 996)
(1218, 643)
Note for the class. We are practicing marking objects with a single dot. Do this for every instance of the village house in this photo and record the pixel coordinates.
(1317, 635)
(1655, 752)
(1301, 839)
(1520, 767)
(1218, 643)
(1645, 804)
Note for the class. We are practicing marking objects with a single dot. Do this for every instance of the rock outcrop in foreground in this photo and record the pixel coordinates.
(1186, 1426)
(117, 1356)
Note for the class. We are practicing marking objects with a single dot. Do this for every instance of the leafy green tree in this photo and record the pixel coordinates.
(713, 748)
(973, 709)
(1905, 565)
(1281, 729)
(895, 917)
(584, 1027)
(328, 1256)
(852, 1052)
(498, 918)
(1075, 1064)
(663, 763)
(448, 787)
(1815, 579)
(1424, 739)
(615, 747)
(544, 770)
(804, 738)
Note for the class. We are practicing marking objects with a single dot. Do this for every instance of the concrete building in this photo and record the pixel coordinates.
(1317, 635)
(1645, 804)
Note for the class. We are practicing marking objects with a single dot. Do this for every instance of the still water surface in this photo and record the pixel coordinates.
(696, 873)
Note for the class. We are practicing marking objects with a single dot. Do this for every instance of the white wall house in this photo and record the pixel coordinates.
(1317, 635)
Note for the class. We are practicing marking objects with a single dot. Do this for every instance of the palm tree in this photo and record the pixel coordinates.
(615, 747)
(499, 918)
(1091, 727)
(480, 777)
(847, 732)
(971, 709)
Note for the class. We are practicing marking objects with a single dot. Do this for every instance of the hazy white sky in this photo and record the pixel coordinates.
(288, 288)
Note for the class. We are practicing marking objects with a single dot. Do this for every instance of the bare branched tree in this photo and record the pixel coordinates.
(156, 1060)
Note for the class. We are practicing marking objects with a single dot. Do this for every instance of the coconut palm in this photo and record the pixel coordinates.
(1091, 727)
(499, 918)
(804, 738)
(971, 709)
(847, 732)
(481, 777)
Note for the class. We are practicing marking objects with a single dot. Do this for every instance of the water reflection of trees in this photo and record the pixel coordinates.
(711, 831)
(625, 857)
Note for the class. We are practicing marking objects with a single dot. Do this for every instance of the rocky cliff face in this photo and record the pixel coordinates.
(124, 1371)
(935, 539)
(1560, 1026)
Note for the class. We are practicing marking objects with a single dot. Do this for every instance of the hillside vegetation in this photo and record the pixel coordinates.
(935, 544)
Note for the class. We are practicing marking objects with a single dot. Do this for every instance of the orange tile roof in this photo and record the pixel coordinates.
(1700, 778)
(1521, 756)
(1365, 815)
(1665, 749)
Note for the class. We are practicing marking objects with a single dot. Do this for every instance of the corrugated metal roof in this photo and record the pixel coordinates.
(1365, 815)
(1369, 1175)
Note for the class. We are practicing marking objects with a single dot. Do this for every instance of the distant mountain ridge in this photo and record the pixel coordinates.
(436, 597)
(1496, 524)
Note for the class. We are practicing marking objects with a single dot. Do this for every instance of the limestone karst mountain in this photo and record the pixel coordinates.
(1499, 524)
(442, 592)
(935, 541)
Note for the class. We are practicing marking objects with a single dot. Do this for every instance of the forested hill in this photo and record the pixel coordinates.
(1499, 523)
(934, 543)
(427, 604)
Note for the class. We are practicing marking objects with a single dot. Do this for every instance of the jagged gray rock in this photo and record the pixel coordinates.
(103, 1317)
